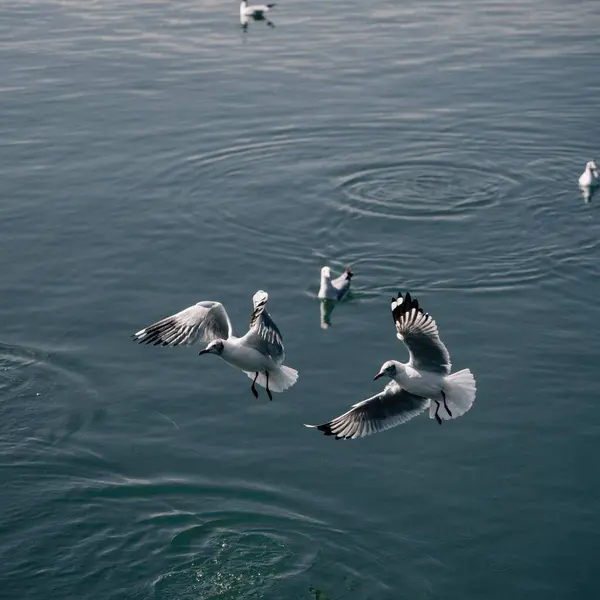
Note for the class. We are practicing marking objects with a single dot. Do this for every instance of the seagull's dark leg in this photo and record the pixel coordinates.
(253, 388)
(445, 405)
(268, 390)
(437, 417)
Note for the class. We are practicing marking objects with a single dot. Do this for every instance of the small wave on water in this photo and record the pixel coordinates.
(462, 213)
(420, 189)
(193, 538)
(237, 554)
(34, 386)
(228, 192)
(235, 539)
(419, 202)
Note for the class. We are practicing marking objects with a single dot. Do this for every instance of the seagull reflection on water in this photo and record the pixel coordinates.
(327, 307)
(588, 193)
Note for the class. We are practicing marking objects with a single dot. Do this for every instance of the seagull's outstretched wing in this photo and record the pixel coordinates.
(263, 334)
(389, 408)
(419, 332)
(205, 321)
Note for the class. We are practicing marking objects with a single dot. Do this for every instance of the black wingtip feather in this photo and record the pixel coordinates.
(325, 428)
(406, 304)
(155, 333)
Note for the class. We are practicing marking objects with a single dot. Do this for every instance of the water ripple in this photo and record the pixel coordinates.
(421, 189)
(242, 554)
(34, 384)
(195, 538)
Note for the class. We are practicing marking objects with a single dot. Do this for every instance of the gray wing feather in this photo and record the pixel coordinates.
(419, 333)
(389, 408)
(204, 321)
(264, 335)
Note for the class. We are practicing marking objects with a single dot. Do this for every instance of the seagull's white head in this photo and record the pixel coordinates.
(591, 165)
(388, 369)
(215, 347)
(326, 272)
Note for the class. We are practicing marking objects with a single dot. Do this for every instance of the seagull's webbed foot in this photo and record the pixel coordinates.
(253, 387)
(437, 417)
(270, 23)
(268, 390)
(446, 405)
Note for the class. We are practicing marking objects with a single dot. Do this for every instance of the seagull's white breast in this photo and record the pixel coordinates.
(589, 178)
(421, 383)
(327, 290)
(245, 358)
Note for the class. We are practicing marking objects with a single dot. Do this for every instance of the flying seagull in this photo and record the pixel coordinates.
(425, 381)
(259, 353)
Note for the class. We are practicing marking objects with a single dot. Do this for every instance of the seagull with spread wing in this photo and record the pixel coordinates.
(424, 382)
(259, 353)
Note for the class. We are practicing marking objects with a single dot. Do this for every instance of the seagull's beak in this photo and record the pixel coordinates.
(203, 352)
(380, 374)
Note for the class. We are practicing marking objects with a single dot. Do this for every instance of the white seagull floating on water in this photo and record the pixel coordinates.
(590, 177)
(425, 381)
(254, 11)
(259, 353)
(334, 289)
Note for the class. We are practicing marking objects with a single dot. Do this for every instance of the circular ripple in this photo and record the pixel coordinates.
(14, 370)
(421, 190)
(235, 556)
(36, 389)
(197, 538)
(242, 552)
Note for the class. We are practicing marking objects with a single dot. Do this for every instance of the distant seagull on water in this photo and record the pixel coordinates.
(254, 11)
(590, 177)
(259, 353)
(425, 381)
(334, 289)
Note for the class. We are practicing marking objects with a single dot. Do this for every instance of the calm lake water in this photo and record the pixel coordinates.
(152, 155)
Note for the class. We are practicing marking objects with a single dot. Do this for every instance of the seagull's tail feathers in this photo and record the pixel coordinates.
(280, 379)
(460, 392)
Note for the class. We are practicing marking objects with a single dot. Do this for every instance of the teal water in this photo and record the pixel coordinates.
(151, 155)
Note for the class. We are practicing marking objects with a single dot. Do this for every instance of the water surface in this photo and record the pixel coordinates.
(152, 155)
